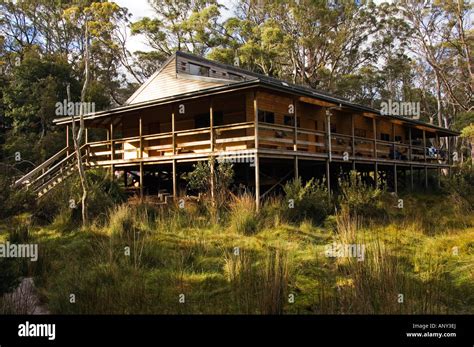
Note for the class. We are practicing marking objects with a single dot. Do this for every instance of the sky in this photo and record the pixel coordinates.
(140, 9)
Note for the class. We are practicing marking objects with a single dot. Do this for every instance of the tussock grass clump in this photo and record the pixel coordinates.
(243, 217)
(259, 283)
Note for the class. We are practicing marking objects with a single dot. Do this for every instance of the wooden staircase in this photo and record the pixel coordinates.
(52, 172)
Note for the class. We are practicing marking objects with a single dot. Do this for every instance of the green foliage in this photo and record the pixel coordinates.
(13, 201)
(243, 217)
(10, 274)
(307, 201)
(461, 187)
(63, 205)
(360, 198)
(200, 180)
(201, 261)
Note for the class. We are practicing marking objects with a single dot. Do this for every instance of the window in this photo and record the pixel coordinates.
(398, 138)
(384, 137)
(289, 120)
(198, 70)
(266, 116)
(360, 132)
(235, 77)
(333, 128)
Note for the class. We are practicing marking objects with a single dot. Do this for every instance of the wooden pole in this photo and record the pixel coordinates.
(257, 161)
(374, 129)
(173, 134)
(141, 180)
(410, 155)
(295, 138)
(376, 174)
(175, 192)
(67, 139)
(328, 131)
(395, 179)
(140, 134)
(393, 141)
(424, 145)
(112, 150)
(212, 168)
(353, 141)
(297, 174)
(328, 176)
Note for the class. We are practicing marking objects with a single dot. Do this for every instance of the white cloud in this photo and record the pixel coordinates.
(138, 9)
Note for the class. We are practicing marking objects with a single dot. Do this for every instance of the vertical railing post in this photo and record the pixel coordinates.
(329, 150)
(374, 129)
(256, 161)
(211, 139)
(67, 140)
(410, 150)
(295, 138)
(328, 133)
(140, 152)
(112, 149)
(173, 134)
(353, 140)
(424, 145)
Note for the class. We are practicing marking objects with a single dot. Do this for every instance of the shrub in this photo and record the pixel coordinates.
(307, 201)
(56, 206)
(13, 201)
(199, 180)
(460, 186)
(360, 198)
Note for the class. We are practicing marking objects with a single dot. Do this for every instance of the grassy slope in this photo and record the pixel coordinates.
(409, 253)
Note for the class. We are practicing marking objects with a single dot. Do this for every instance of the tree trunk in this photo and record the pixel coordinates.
(78, 135)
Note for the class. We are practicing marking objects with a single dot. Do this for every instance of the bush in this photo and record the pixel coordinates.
(360, 198)
(13, 201)
(199, 180)
(460, 186)
(58, 204)
(308, 201)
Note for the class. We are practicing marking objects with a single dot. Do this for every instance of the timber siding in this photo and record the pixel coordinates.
(168, 82)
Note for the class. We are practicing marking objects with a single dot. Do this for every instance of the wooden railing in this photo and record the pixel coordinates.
(163, 145)
(240, 136)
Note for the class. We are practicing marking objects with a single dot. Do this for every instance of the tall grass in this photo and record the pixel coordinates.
(265, 257)
(243, 216)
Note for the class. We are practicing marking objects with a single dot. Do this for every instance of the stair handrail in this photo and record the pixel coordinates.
(52, 168)
(40, 167)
